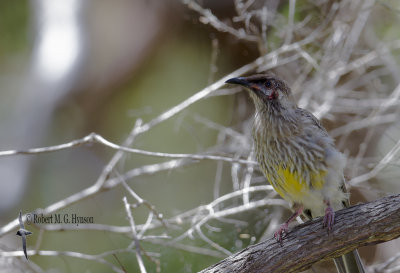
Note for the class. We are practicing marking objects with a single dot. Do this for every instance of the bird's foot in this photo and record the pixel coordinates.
(284, 228)
(329, 218)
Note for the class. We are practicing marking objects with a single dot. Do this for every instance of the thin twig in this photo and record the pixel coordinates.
(134, 235)
(95, 138)
(54, 253)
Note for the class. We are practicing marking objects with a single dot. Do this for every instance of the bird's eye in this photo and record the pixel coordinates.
(268, 84)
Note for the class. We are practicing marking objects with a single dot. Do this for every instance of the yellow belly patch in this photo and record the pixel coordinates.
(293, 185)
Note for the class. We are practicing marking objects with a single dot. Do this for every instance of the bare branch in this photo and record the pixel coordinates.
(95, 138)
(289, 33)
(387, 264)
(95, 258)
(135, 238)
(379, 167)
(207, 17)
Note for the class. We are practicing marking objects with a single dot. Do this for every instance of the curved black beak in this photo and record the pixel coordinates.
(240, 81)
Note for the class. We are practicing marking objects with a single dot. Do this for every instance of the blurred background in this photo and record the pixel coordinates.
(69, 68)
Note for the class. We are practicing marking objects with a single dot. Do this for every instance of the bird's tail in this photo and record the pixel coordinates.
(349, 263)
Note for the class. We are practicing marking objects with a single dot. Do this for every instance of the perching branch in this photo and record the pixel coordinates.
(360, 225)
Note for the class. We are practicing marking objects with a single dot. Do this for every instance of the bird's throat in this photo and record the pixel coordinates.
(269, 123)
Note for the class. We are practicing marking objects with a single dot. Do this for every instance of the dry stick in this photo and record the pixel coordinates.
(134, 234)
(196, 225)
(55, 253)
(334, 75)
(95, 138)
(360, 225)
(379, 167)
(105, 174)
(386, 265)
(289, 33)
(209, 18)
(140, 201)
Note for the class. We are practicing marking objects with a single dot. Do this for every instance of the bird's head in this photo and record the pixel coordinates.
(267, 91)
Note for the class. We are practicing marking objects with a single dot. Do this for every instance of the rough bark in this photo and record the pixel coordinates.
(308, 243)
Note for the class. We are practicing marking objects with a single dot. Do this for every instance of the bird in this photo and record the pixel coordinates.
(23, 233)
(298, 157)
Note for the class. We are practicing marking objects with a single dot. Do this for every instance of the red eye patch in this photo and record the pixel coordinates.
(274, 95)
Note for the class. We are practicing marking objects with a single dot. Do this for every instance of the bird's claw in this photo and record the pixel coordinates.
(278, 235)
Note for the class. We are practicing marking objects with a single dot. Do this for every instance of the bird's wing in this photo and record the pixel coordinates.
(310, 117)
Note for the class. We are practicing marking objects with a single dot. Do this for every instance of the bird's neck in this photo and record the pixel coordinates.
(271, 124)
